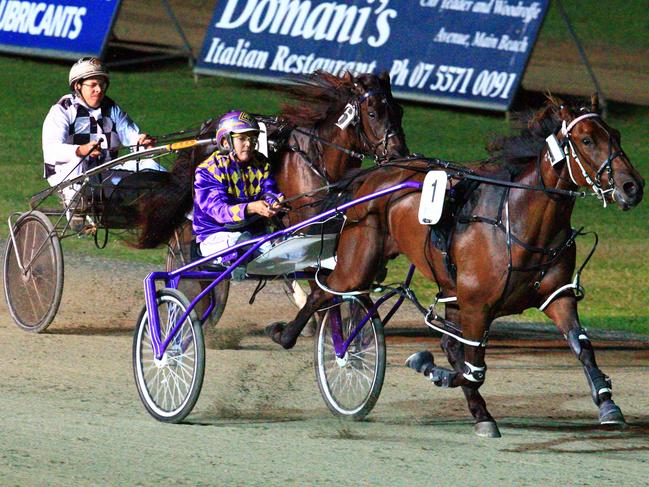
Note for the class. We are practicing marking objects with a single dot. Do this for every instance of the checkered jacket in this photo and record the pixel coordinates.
(223, 188)
(71, 123)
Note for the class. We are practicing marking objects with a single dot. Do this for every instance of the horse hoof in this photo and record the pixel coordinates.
(421, 361)
(610, 413)
(487, 429)
(274, 331)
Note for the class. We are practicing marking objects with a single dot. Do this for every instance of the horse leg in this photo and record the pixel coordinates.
(286, 334)
(355, 269)
(563, 312)
(485, 425)
(299, 298)
(468, 372)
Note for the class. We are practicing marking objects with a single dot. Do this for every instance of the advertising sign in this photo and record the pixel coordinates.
(66, 29)
(459, 52)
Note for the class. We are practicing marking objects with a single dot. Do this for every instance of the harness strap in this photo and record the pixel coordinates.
(311, 165)
(446, 327)
(369, 93)
(565, 129)
(351, 153)
(575, 283)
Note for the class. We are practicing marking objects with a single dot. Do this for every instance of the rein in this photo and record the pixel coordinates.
(312, 165)
(305, 156)
(349, 152)
(460, 173)
(360, 132)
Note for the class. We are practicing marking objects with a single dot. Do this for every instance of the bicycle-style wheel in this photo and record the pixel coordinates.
(350, 385)
(169, 387)
(178, 255)
(33, 272)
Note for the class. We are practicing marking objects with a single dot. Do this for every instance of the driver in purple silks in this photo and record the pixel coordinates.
(228, 186)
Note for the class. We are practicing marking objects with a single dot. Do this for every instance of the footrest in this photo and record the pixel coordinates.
(195, 254)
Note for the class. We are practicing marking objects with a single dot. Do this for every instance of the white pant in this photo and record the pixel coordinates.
(222, 240)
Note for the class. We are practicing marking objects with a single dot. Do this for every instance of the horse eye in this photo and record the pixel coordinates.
(372, 115)
(587, 141)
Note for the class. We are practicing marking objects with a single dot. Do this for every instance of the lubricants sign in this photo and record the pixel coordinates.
(458, 52)
(64, 29)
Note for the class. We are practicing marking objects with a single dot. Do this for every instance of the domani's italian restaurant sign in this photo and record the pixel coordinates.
(459, 52)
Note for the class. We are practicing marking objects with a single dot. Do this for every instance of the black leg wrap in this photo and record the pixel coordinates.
(579, 342)
(600, 385)
(442, 377)
(422, 362)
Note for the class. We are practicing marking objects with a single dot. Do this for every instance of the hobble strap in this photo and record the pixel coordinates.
(474, 373)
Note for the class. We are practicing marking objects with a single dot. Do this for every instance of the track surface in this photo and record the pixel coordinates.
(71, 414)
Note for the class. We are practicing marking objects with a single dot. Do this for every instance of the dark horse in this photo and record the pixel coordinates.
(510, 248)
(308, 151)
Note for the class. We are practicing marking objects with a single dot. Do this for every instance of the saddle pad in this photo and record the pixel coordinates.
(296, 254)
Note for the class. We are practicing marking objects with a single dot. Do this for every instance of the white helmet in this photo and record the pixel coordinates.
(87, 67)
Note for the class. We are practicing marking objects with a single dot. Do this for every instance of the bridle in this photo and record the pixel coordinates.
(350, 116)
(379, 156)
(569, 149)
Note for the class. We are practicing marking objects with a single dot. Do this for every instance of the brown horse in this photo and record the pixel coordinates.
(309, 152)
(510, 248)
(318, 152)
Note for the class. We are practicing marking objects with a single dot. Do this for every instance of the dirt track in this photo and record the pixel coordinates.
(71, 414)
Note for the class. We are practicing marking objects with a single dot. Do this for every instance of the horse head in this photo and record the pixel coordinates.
(350, 112)
(378, 116)
(594, 156)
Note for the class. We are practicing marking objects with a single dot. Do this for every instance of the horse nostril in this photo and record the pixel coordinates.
(630, 189)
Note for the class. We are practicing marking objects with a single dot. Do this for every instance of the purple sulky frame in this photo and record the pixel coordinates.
(172, 278)
(336, 333)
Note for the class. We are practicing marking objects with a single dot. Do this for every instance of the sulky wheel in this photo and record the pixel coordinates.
(178, 255)
(350, 385)
(169, 387)
(33, 272)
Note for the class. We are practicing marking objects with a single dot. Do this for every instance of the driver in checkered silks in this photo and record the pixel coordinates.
(84, 123)
(231, 186)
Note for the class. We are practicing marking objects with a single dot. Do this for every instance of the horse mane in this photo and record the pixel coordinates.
(316, 97)
(531, 128)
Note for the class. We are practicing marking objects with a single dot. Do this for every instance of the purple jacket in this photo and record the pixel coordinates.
(223, 188)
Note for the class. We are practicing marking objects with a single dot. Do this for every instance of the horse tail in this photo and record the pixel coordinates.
(164, 210)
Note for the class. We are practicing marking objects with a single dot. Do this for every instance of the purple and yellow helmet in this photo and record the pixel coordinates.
(235, 122)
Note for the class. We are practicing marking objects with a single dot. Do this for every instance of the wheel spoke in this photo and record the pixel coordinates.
(33, 296)
(169, 387)
(351, 385)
